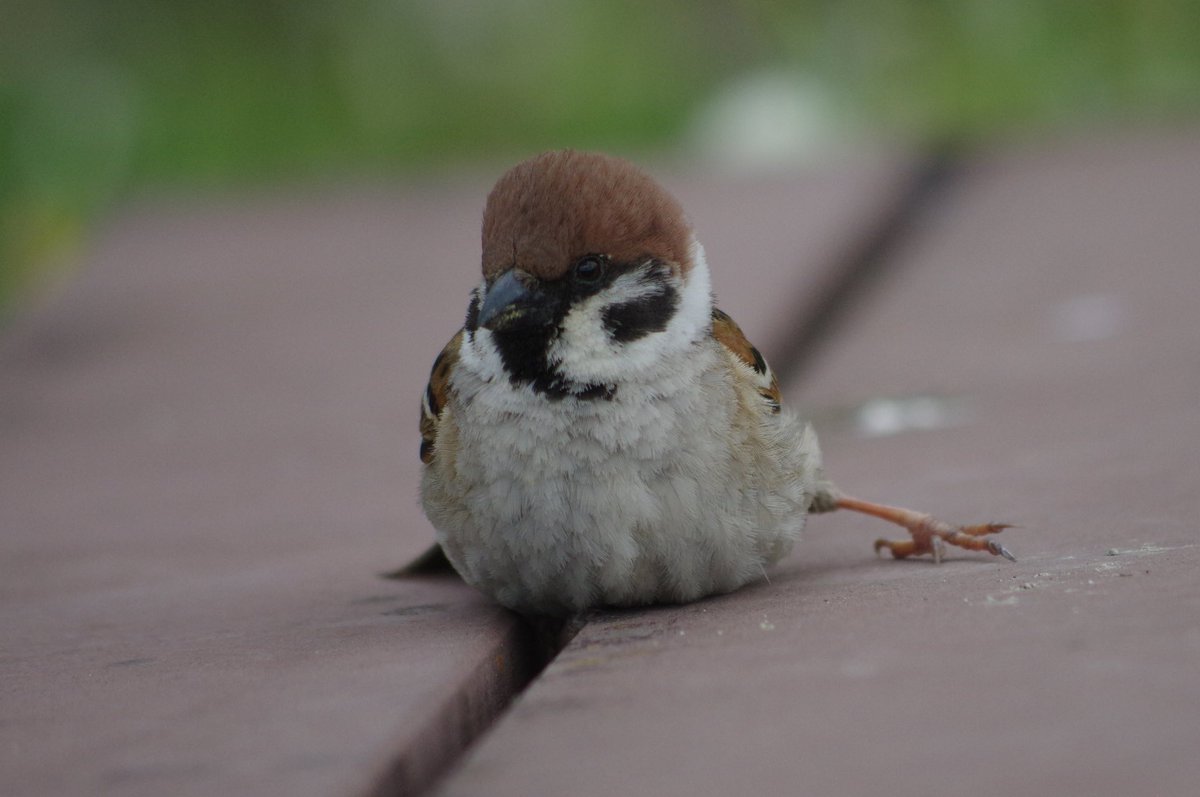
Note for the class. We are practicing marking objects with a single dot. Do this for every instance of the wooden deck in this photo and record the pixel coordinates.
(208, 454)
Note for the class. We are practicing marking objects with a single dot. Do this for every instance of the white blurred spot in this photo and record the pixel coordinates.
(857, 668)
(881, 417)
(767, 119)
(1089, 316)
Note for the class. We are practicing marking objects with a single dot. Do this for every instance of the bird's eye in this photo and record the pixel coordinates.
(589, 269)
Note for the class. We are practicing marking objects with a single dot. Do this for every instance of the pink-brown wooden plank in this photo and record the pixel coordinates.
(209, 453)
(1050, 300)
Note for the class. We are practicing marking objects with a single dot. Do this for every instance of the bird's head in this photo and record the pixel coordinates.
(591, 276)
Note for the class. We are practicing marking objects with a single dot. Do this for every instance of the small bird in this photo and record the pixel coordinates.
(598, 433)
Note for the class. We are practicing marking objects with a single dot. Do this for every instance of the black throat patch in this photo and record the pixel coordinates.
(524, 349)
(523, 352)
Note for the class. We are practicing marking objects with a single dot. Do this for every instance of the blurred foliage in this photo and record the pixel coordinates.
(98, 98)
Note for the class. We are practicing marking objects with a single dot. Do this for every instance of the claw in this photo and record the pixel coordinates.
(999, 550)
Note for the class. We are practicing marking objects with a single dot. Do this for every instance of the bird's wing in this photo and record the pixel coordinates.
(726, 332)
(433, 561)
(436, 393)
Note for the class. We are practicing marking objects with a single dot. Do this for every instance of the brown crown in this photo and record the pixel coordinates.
(547, 212)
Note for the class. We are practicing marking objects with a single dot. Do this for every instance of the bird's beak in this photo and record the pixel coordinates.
(515, 299)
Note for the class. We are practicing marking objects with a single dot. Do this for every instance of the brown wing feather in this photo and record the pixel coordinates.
(436, 393)
(726, 331)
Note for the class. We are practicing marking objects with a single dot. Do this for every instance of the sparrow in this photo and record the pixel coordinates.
(598, 433)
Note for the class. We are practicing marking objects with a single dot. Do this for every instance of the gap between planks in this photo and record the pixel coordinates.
(466, 715)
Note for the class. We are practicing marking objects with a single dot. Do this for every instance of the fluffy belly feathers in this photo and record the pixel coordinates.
(637, 500)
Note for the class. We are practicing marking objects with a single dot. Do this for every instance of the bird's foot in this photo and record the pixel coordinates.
(928, 534)
(932, 536)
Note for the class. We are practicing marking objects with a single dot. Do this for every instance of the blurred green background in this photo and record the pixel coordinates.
(99, 100)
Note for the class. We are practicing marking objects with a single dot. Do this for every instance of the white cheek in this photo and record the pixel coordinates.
(584, 346)
(479, 353)
(586, 353)
(482, 357)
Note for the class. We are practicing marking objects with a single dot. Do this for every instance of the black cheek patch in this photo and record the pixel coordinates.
(472, 321)
(633, 320)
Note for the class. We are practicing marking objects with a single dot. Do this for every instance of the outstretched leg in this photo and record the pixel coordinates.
(929, 535)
